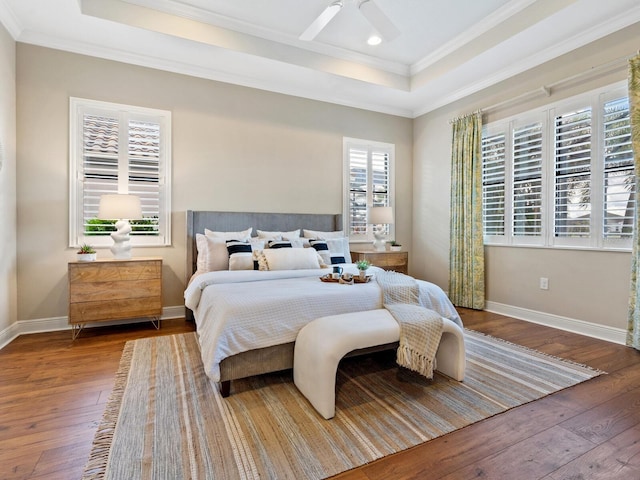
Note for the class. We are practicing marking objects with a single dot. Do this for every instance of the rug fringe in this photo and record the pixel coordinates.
(96, 466)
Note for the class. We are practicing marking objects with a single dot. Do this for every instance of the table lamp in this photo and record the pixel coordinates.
(120, 207)
(379, 216)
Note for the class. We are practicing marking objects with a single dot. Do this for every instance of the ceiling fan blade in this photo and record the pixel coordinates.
(378, 19)
(319, 23)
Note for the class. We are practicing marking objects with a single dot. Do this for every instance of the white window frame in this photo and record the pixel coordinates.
(370, 146)
(78, 107)
(595, 99)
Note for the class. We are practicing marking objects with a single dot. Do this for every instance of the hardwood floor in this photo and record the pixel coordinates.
(53, 392)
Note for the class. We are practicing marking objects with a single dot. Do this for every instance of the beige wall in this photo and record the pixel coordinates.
(234, 149)
(7, 180)
(583, 285)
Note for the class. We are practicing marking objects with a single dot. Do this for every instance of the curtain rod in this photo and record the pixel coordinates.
(593, 72)
(460, 117)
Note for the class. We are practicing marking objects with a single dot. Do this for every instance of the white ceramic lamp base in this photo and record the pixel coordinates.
(121, 247)
(379, 242)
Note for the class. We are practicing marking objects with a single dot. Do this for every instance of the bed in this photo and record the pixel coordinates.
(247, 320)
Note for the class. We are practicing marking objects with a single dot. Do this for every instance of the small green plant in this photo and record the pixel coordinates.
(363, 264)
(393, 243)
(85, 248)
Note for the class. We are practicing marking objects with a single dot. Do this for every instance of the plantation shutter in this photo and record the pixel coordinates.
(572, 216)
(493, 184)
(108, 168)
(527, 180)
(369, 168)
(144, 171)
(100, 166)
(358, 189)
(619, 181)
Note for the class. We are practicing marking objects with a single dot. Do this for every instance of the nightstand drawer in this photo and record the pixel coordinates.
(114, 309)
(397, 261)
(114, 271)
(108, 291)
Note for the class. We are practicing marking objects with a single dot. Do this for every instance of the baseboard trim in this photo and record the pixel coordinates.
(53, 324)
(602, 332)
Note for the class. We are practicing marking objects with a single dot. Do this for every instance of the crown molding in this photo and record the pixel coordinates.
(471, 34)
(118, 55)
(582, 39)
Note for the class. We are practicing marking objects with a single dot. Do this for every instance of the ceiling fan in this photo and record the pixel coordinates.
(369, 10)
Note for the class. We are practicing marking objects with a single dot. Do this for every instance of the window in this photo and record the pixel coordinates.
(119, 149)
(563, 176)
(368, 168)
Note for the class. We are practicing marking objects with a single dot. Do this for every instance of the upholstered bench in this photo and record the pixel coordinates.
(322, 343)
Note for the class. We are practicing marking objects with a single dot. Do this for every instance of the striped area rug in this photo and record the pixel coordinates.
(165, 420)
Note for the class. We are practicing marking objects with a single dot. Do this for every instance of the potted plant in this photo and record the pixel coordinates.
(362, 266)
(86, 253)
(394, 246)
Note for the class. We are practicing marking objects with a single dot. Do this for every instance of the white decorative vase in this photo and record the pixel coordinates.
(363, 274)
(87, 257)
(395, 248)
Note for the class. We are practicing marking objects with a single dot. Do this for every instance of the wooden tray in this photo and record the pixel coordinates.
(356, 279)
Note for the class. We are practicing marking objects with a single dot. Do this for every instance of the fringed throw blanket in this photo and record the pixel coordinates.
(420, 328)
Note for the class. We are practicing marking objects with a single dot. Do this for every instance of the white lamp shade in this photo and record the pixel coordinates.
(119, 207)
(381, 215)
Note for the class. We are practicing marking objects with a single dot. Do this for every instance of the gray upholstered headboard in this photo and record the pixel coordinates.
(197, 221)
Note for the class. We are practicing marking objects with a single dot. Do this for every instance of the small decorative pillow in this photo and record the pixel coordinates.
(288, 259)
(240, 255)
(331, 251)
(338, 243)
(339, 249)
(242, 236)
(323, 250)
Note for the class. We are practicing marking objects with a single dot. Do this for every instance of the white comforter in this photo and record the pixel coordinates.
(236, 311)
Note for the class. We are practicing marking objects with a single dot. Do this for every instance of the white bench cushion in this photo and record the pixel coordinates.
(322, 343)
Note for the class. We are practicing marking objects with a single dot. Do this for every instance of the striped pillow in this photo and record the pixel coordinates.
(240, 255)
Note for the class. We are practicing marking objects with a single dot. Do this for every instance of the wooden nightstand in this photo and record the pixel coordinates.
(114, 289)
(397, 261)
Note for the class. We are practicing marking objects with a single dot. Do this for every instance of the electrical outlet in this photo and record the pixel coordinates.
(544, 283)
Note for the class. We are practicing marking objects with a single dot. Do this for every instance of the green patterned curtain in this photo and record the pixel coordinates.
(633, 332)
(466, 258)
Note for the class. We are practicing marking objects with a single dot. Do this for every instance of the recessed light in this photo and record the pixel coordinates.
(374, 40)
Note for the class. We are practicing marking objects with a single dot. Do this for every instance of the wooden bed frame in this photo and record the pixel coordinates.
(263, 360)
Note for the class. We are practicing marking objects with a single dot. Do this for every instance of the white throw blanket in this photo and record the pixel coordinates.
(420, 328)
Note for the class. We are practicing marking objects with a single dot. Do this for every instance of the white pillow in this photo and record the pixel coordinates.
(279, 235)
(323, 235)
(242, 236)
(288, 259)
(212, 254)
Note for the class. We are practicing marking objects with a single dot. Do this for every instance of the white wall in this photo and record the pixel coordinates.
(234, 149)
(8, 300)
(588, 286)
